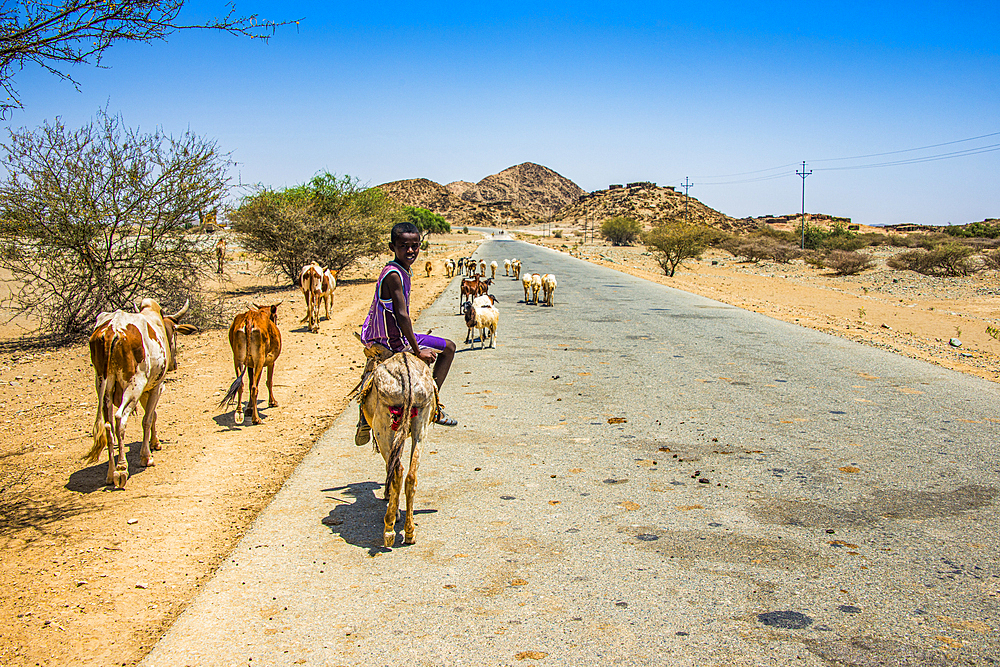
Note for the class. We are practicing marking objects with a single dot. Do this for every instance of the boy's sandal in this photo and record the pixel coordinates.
(444, 420)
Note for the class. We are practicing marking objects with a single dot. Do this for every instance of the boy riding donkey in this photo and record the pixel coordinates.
(388, 324)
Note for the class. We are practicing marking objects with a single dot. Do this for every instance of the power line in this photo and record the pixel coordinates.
(909, 150)
(892, 163)
(918, 160)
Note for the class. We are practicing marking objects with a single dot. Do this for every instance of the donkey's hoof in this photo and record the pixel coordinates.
(119, 478)
(389, 539)
(409, 538)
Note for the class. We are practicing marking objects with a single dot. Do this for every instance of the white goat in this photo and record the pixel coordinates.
(506, 267)
(526, 281)
(493, 270)
(536, 286)
(548, 288)
(515, 265)
(483, 315)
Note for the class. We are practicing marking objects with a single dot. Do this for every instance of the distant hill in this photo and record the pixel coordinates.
(458, 212)
(519, 195)
(647, 203)
(529, 187)
(530, 193)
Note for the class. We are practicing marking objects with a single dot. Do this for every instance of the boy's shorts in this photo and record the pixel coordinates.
(429, 342)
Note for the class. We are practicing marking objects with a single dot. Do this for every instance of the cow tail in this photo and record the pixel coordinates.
(237, 384)
(400, 433)
(234, 389)
(101, 427)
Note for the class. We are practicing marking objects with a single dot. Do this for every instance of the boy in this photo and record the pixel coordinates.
(389, 324)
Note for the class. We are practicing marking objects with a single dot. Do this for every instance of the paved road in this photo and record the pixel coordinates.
(640, 477)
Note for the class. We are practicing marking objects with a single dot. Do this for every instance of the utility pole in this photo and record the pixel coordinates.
(803, 174)
(687, 186)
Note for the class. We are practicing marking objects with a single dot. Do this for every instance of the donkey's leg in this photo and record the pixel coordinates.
(410, 528)
(394, 481)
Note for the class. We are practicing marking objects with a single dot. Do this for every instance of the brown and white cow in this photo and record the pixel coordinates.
(328, 286)
(311, 282)
(131, 353)
(256, 342)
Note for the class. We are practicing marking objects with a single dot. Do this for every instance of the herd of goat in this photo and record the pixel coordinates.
(479, 306)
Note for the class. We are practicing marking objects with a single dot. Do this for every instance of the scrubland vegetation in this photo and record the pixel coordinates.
(954, 251)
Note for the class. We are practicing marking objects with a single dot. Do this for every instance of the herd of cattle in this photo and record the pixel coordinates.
(132, 352)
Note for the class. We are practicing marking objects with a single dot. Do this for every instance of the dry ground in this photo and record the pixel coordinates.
(93, 576)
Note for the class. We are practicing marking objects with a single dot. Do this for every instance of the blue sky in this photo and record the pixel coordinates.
(733, 95)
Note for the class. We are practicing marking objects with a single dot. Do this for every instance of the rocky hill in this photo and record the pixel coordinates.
(529, 187)
(529, 193)
(458, 212)
(647, 203)
(520, 195)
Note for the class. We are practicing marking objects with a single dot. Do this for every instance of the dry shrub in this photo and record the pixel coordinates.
(848, 262)
(991, 260)
(756, 248)
(949, 259)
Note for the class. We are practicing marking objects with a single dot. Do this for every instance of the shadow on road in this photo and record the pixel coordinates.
(359, 523)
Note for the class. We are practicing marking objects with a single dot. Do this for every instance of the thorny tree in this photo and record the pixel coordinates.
(94, 219)
(56, 35)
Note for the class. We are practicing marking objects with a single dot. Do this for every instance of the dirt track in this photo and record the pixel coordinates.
(94, 576)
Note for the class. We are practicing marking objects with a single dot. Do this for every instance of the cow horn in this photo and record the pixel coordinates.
(179, 315)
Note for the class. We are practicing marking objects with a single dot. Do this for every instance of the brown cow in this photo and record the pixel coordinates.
(220, 253)
(256, 342)
(131, 353)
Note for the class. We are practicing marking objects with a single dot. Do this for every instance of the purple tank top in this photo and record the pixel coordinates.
(380, 324)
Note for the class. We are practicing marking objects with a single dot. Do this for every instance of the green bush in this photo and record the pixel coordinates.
(330, 220)
(675, 242)
(426, 221)
(557, 233)
(983, 229)
(873, 239)
(621, 230)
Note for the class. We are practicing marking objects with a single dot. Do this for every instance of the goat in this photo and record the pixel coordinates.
(548, 288)
(483, 315)
(536, 286)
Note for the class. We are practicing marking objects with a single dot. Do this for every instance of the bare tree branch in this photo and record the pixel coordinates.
(55, 34)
